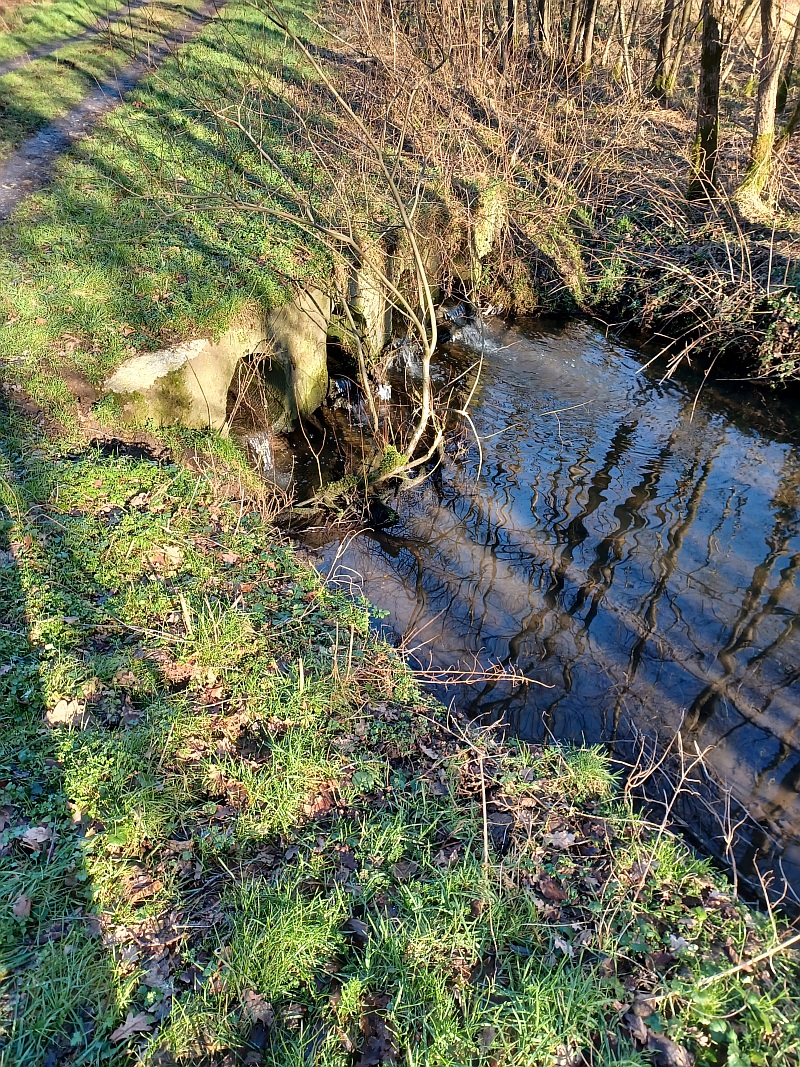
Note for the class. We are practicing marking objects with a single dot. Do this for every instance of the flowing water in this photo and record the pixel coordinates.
(632, 546)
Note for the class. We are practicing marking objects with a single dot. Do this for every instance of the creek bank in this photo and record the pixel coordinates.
(223, 774)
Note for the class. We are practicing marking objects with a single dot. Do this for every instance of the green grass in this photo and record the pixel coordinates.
(48, 88)
(105, 263)
(258, 834)
(26, 26)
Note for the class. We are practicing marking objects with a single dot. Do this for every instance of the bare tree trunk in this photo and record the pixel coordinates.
(685, 34)
(532, 15)
(589, 23)
(703, 174)
(660, 87)
(769, 72)
(545, 25)
(790, 128)
(744, 23)
(625, 35)
(574, 23)
(610, 39)
(788, 70)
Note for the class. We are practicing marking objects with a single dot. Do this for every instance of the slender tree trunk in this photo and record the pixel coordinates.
(744, 24)
(544, 25)
(624, 37)
(685, 34)
(791, 127)
(610, 39)
(574, 23)
(788, 69)
(589, 23)
(532, 15)
(769, 72)
(659, 87)
(703, 175)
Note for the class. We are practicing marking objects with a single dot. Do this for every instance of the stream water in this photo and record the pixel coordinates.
(632, 546)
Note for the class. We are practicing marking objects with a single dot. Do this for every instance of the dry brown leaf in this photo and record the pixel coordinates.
(667, 1052)
(140, 885)
(70, 713)
(125, 679)
(134, 1024)
(169, 558)
(550, 889)
(258, 1008)
(560, 839)
(403, 870)
(229, 557)
(21, 907)
(36, 837)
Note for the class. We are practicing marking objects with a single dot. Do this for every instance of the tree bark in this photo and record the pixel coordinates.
(574, 22)
(532, 15)
(589, 22)
(544, 25)
(625, 28)
(703, 174)
(787, 74)
(660, 87)
(769, 72)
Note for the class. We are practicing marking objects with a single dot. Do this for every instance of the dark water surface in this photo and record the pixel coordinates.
(636, 551)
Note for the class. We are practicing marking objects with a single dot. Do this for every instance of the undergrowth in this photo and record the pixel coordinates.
(235, 830)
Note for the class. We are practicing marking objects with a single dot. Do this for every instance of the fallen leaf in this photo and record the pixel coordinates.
(404, 869)
(379, 1045)
(94, 928)
(22, 907)
(550, 889)
(560, 839)
(125, 679)
(668, 1053)
(166, 558)
(139, 501)
(156, 976)
(139, 885)
(229, 557)
(258, 1008)
(564, 946)
(359, 930)
(134, 1024)
(636, 1027)
(70, 713)
(36, 837)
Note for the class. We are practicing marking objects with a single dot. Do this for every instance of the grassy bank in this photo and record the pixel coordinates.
(25, 26)
(152, 230)
(47, 88)
(102, 265)
(234, 830)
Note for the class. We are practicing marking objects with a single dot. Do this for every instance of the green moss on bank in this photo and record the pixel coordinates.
(232, 822)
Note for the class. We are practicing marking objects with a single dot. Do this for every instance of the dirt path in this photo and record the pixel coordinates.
(49, 47)
(30, 167)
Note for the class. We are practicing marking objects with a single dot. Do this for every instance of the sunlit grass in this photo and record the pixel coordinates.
(24, 26)
(49, 87)
(236, 846)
